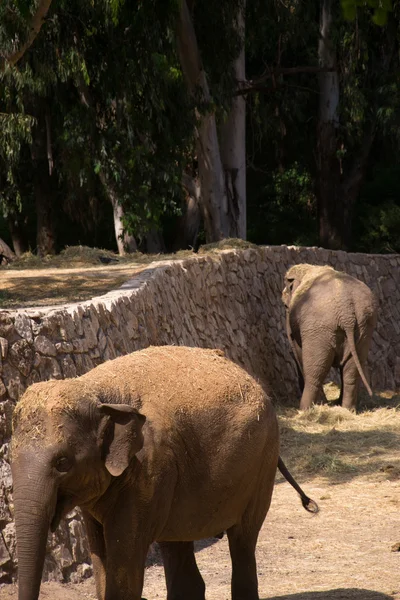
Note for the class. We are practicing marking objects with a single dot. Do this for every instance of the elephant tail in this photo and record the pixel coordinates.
(308, 504)
(353, 350)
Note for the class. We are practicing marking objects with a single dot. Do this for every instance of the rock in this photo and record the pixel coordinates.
(3, 348)
(44, 346)
(64, 347)
(5, 556)
(13, 381)
(23, 327)
(49, 368)
(68, 366)
(6, 324)
(21, 355)
(83, 571)
(34, 377)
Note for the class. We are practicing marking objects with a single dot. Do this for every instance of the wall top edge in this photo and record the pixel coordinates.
(131, 286)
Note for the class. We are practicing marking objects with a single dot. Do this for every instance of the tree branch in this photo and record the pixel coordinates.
(255, 85)
(34, 28)
(291, 71)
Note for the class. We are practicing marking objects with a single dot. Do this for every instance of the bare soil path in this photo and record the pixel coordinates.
(77, 274)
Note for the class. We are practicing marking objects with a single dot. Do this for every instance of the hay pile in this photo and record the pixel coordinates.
(331, 442)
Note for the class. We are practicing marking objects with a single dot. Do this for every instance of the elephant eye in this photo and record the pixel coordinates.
(63, 464)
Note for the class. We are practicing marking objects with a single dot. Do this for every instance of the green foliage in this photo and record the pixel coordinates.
(107, 77)
(378, 8)
(283, 211)
(103, 83)
(377, 216)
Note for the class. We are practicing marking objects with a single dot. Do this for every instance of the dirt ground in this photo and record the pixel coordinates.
(350, 465)
(60, 286)
(79, 273)
(344, 553)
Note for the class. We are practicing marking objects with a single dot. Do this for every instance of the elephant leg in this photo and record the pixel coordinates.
(181, 572)
(317, 360)
(125, 570)
(351, 380)
(299, 364)
(127, 545)
(341, 386)
(351, 376)
(244, 570)
(95, 534)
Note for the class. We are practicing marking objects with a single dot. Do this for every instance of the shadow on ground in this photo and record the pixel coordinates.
(339, 594)
(154, 557)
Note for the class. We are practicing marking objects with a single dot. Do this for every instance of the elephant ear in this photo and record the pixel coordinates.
(292, 283)
(121, 436)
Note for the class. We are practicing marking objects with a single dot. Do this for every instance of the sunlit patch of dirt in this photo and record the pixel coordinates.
(29, 288)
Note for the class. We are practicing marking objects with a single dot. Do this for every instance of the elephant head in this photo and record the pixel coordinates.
(66, 448)
(297, 275)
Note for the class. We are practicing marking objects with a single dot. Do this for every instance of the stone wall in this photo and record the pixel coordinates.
(230, 300)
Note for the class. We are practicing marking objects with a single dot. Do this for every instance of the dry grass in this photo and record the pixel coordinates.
(44, 287)
(334, 443)
(79, 273)
(227, 244)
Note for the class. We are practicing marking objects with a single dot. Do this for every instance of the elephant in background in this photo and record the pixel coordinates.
(330, 319)
(168, 444)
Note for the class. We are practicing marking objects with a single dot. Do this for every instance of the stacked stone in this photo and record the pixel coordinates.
(229, 300)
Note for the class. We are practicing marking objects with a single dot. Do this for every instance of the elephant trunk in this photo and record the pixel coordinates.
(34, 503)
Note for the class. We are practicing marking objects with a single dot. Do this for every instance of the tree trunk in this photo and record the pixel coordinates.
(6, 254)
(214, 202)
(351, 185)
(233, 148)
(329, 201)
(45, 227)
(43, 184)
(189, 224)
(126, 242)
(17, 235)
(337, 191)
(155, 242)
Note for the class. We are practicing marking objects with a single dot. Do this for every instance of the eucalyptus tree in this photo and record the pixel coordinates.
(213, 65)
(361, 62)
(99, 104)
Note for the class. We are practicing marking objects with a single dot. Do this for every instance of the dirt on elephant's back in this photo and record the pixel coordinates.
(343, 553)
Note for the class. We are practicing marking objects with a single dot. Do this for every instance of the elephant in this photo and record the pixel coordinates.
(330, 320)
(167, 444)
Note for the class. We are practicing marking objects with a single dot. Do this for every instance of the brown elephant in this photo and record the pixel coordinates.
(330, 319)
(169, 444)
